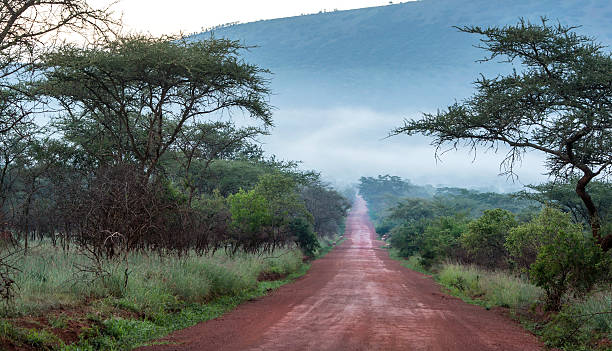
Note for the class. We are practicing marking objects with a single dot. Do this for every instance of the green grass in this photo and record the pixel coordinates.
(163, 294)
(487, 288)
(413, 262)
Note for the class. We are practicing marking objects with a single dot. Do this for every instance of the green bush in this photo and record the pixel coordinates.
(561, 258)
(525, 241)
(570, 263)
(304, 236)
(440, 239)
(485, 237)
(406, 238)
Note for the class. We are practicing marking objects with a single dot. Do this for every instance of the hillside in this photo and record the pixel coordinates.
(341, 80)
(396, 56)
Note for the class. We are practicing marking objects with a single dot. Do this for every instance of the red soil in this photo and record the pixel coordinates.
(356, 298)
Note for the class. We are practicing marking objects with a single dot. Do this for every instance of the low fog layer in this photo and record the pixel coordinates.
(342, 80)
(345, 143)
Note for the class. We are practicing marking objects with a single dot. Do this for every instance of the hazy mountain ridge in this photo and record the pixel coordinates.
(376, 55)
(342, 80)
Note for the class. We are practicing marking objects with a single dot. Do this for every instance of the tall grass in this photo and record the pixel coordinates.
(596, 310)
(51, 278)
(488, 288)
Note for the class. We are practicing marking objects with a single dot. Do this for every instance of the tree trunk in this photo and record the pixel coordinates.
(604, 242)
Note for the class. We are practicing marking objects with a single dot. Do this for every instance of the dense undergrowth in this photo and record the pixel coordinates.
(531, 252)
(582, 324)
(55, 309)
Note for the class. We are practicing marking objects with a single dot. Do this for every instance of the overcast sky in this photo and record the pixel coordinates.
(173, 16)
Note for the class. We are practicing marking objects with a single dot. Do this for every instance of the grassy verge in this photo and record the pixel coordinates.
(412, 262)
(488, 288)
(56, 309)
(582, 324)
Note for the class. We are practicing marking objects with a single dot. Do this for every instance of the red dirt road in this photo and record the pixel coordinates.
(356, 298)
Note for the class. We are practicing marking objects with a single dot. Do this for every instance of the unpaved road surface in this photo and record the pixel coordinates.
(356, 298)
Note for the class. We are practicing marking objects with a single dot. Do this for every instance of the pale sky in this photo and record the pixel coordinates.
(173, 16)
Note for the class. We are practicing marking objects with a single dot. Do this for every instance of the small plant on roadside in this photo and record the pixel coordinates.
(59, 321)
(573, 329)
(570, 263)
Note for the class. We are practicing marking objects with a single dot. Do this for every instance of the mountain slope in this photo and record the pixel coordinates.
(394, 56)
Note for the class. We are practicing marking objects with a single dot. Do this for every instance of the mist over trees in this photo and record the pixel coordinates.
(559, 104)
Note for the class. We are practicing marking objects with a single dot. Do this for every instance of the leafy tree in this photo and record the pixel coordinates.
(407, 237)
(561, 194)
(250, 215)
(485, 237)
(201, 144)
(13, 146)
(525, 241)
(327, 206)
(305, 237)
(411, 209)
(129, 100)
(441, 239)
(262, 217)
(560, 104)
(409, 217)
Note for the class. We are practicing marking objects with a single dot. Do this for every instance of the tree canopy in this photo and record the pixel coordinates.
(27, 29)
(133, 98)
(560, 103)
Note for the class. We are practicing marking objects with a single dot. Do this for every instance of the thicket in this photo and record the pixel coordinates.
(136, 151)
(533, 252)
(135, 157)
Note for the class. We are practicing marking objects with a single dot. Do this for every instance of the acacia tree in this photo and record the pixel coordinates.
(560, 104)
(128, 100)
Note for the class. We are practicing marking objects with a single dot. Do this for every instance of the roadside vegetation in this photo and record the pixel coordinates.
(536, 262)
(135, 198)
(56, 310)
(553, 260)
